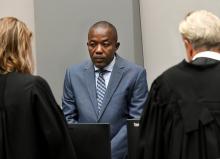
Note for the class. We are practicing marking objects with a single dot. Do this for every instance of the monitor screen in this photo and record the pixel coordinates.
(91, 140)
(133, 133)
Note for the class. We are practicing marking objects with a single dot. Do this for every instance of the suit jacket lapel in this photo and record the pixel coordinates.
(116, 76)
(91, 86)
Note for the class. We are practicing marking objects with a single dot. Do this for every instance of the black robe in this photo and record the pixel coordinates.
(181, 119)
(32, 125)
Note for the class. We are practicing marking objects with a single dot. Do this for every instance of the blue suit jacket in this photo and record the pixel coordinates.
(125, 97)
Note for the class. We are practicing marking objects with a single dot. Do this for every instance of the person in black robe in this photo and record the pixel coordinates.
(32, 125)
(181, 119)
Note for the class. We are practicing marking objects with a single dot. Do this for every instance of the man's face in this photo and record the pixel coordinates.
(102, 46)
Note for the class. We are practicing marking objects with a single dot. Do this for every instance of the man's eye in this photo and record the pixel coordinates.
(92, 44)
(106, 44)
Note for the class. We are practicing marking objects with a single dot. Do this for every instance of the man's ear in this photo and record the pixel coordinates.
(189, 49)
(117, 45)
(187, 43)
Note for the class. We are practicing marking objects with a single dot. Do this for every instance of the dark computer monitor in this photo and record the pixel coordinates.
(91, 140)
(133, 133)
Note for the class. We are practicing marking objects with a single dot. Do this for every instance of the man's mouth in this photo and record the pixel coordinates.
(99, 59)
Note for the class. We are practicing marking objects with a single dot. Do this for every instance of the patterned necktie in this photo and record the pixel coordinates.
(101, 89)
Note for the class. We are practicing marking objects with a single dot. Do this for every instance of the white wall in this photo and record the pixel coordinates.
(162, 45)
(21, 9)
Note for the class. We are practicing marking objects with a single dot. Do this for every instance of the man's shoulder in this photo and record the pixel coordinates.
(171, 71)
(173, 74)
(129, 64)
(179, 68)
(80, 66)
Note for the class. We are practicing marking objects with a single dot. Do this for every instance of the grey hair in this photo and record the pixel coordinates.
(202, 29)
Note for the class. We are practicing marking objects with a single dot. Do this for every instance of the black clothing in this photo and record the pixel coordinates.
(204, 61)
(181, 119)
(32, 125)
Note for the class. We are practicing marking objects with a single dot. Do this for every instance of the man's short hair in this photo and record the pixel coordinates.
(202, 29)
(107, 25)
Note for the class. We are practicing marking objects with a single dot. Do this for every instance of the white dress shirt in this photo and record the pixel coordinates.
(208, 54)
(107, 74)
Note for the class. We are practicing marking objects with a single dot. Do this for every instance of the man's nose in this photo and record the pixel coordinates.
(99, 49)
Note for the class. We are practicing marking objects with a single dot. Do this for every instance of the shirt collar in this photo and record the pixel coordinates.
(208, 54)
(109, 67)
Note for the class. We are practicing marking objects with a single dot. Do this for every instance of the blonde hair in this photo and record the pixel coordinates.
(202, 29)
(15, 46)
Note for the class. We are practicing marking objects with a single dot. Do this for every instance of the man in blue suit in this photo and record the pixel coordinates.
(125, 83)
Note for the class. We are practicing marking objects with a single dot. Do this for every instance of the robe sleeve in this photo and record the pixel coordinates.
(151, 137)
(51, 122)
